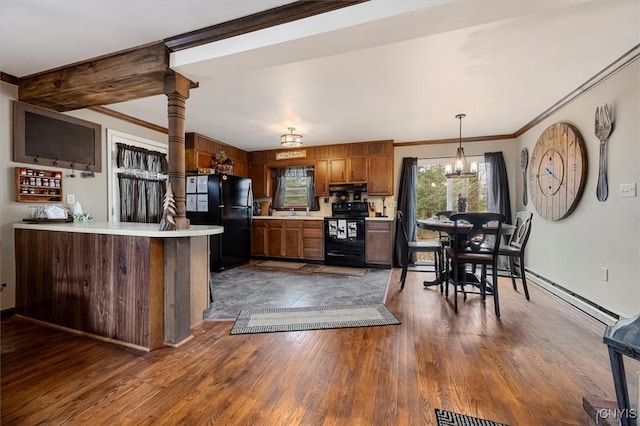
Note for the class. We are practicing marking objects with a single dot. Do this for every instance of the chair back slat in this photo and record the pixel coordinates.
(523, 229)
(478, 238)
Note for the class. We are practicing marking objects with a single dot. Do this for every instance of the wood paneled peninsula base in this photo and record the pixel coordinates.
(124, 282)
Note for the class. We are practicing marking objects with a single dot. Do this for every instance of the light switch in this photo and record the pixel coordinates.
(628, 190)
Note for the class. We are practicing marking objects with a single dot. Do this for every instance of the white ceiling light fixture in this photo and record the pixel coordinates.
(461, 168)
(291, 140)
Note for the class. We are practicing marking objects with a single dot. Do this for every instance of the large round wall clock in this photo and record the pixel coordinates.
(558, 171)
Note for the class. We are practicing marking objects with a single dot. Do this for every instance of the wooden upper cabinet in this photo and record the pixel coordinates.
(348, 170)
(240, 168)
(380, 181)
(260, 175)
(321, 178)
(357, 169)
(200, 153)
(202, 159)
(338, 170)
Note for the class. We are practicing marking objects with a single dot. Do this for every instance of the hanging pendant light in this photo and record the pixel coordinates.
(291, 140)
(460, 167)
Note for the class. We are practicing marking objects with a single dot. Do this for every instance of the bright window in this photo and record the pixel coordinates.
(436, 192)
(294, 188)
(295, 192)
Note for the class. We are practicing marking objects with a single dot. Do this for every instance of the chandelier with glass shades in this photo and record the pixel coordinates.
(461, 168)
(291, 140)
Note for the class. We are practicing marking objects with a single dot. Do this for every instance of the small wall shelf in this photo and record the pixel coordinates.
(38, 186)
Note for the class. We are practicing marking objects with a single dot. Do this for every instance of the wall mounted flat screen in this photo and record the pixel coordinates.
(46, 137)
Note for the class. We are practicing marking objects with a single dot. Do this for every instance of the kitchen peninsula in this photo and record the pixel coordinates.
(127, 283)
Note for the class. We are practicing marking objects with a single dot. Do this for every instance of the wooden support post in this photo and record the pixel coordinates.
(177, 88)
(177, 290)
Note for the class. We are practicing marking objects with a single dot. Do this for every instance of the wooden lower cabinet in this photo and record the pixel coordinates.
(313, 240)
(275, 238)
(287, 238)
(379, 243)
(259, 238)
(293, 239)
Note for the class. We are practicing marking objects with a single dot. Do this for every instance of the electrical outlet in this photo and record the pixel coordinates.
(628, 190)
(71, 199)
(604, 274)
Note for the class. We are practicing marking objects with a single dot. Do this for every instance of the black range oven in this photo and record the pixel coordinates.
(344, 235)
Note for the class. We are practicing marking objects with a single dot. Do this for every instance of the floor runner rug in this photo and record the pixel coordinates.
(342, 270)
(312, 318)
(449, 418)
(279, 264)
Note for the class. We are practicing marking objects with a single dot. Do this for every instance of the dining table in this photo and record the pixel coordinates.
(448, 226)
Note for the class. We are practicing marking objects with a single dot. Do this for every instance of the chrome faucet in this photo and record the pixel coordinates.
(293, 211)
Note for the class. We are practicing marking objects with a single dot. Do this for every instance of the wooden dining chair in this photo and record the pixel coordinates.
(514, 249)
(417, 247)
(475, 241)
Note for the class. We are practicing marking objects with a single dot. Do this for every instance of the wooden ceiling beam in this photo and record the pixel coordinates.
(257, 21)
(131, 74)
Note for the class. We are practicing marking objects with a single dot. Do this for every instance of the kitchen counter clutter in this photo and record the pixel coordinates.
(126, 283)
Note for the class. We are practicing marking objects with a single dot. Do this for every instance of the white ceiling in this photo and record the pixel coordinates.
(382, 69)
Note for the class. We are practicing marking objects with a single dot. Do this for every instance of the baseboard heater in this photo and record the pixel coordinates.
(584, 305)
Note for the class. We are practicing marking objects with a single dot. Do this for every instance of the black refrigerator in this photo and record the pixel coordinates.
(227, 201)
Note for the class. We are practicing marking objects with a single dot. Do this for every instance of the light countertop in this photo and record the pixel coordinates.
(122, 228)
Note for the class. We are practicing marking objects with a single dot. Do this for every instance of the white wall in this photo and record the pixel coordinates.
(571, 252)
(90, 192)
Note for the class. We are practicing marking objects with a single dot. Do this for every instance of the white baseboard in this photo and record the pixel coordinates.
(591, 309)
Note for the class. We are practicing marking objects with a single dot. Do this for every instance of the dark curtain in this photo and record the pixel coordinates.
(498, 191)
(278, 176)
(407, 205)
(312, 200)
(497, 185)
(134, 157)
(140, 199)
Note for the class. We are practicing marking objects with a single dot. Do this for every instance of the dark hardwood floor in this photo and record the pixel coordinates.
(531, 367)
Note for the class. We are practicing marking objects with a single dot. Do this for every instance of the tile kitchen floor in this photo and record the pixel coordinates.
(254, 287)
